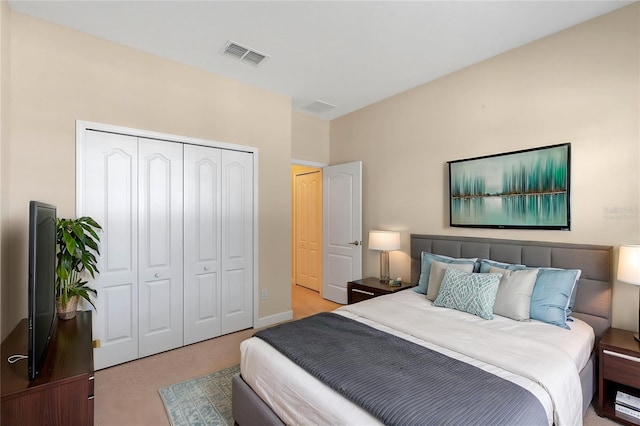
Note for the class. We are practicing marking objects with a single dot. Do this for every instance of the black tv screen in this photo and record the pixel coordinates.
(42, 281)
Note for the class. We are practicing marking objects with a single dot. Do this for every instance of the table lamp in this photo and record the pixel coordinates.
(629, 269)
(384, 241)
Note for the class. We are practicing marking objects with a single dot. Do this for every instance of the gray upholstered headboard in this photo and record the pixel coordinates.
(593, 296)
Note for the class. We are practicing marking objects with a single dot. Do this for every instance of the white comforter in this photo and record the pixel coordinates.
(539, 357)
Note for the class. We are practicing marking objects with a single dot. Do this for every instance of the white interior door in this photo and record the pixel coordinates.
(203, 233)
(237, 241)
(109, 194)
(160, 287)
(342, 229)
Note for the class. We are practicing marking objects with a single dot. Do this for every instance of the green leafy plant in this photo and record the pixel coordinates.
(77, 241)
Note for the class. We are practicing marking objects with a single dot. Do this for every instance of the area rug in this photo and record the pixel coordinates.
(203, 401)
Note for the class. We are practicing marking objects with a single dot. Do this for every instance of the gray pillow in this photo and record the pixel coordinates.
(514, 293)
(437, 274)
(425, 268)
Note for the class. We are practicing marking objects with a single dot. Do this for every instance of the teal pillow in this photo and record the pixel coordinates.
(425, 269)
(486, 264)
(469, 292)
(552, 295)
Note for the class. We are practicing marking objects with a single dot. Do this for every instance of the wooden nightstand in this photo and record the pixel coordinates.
(368, 288)
(619, 362)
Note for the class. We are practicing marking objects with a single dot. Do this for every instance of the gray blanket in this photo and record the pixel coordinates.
(400, 382)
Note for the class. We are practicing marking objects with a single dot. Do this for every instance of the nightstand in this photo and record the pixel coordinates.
(619, 369)
(368, 288)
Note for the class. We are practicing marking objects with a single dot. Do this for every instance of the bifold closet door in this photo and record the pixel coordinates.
(176, 251)
(109, 194)
(160, 255)
(202, 250)
(237, 241)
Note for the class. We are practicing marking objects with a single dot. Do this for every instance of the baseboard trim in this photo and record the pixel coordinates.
(273, 319)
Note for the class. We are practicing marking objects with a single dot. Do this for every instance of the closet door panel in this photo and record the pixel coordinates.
(160, 246)
(202, 234)
(237, 240)
(109, 184)
(117, 301)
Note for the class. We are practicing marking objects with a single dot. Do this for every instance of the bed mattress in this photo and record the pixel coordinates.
(298, 398)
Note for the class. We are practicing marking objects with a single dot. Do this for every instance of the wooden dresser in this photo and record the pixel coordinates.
(63, 393)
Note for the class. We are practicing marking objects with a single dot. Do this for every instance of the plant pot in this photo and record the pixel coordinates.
(68, 311)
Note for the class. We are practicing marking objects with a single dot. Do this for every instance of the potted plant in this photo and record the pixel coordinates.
(77, 241)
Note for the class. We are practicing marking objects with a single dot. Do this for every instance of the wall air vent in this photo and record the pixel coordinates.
(318, 107)
(243, 53)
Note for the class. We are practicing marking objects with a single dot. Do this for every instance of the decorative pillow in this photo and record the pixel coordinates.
(437, 274)
(514, 293)
(486, 264)
(472, 293)
(551, 297)
(425, 270)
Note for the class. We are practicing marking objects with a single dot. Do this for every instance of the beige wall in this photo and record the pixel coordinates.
(580, 86)
(5, 23)
(60, 75)
(309, 138)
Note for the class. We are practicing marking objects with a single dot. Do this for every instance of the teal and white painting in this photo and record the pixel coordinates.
(524, 189)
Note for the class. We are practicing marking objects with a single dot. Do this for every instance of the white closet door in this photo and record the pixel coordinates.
(202, 249)
(160, 246)
(237, 241)
(109, 195)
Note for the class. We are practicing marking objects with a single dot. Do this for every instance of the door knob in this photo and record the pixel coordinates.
(355, 243)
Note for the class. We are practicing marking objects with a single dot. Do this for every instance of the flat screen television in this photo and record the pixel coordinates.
(527, 189)
(42, 283)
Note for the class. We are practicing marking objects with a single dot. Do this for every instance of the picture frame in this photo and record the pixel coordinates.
(526, 189)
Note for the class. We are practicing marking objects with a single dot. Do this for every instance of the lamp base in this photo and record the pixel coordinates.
(384, 267)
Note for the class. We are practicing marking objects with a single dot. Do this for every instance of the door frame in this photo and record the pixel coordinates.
(81, 128)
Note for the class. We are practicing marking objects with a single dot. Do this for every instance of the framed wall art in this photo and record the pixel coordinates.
(528, 189)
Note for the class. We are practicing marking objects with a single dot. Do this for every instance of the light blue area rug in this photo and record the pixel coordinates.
(201, 401)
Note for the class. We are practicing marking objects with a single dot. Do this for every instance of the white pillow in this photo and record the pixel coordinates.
(514, 293)
(437, 274)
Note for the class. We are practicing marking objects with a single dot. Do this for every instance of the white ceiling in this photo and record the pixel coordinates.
(349, 54)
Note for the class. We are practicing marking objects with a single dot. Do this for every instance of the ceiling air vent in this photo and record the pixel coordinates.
(319, 107)
(243, 53)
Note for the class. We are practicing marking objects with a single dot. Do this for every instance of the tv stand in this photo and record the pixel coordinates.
(63, 393)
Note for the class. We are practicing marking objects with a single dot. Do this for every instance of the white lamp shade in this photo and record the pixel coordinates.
(384, 240)
(629, 264)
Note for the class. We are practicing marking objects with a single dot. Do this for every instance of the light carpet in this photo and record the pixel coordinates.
(203, 401)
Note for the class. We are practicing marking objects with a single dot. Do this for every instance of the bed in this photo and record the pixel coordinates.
(272, 389)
